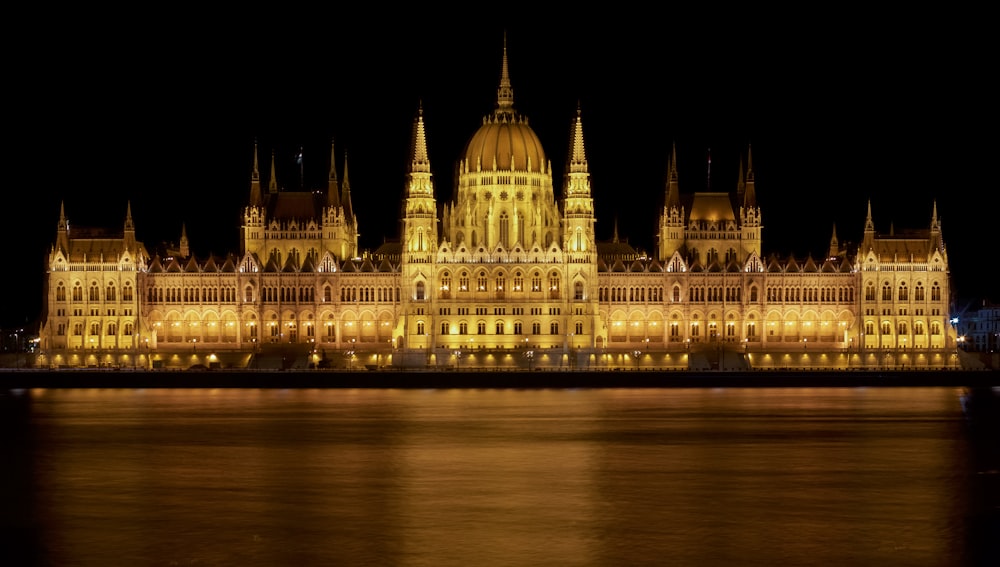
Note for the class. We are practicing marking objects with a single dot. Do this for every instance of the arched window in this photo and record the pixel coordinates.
(578, 291)
(419, 296)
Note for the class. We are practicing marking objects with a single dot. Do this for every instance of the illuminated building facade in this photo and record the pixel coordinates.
(505, 274)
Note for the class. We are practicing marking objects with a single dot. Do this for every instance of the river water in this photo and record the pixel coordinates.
(468, 477)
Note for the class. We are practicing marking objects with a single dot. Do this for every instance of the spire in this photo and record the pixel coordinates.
(332, 185)
(614, 237)
(255, 196)
(834, 243)
(935, 222)
(578, 157)
(505, 94)
(672, 197)
(62, 231)
(421, 163)
(348, 211)
(129, 226)
(272, 185)
(869, 223)
(185, 249)
(750, 192)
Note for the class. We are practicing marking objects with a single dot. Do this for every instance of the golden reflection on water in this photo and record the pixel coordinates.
(500, 477)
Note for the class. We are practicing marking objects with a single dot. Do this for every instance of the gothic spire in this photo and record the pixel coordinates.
(505, 94)
(750, 192)
(272, 184)
(578, 157)
(255, 196)
(348, 210)
(129, 226)
(332, 184)
(421, 162)
(672, 197)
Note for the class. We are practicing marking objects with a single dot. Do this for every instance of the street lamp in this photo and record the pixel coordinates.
(530, 355)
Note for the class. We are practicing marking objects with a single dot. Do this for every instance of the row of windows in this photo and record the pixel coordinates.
(111, 329)
(94, 292)
(499, 328)
(842, 294)
(902, 328)
(902, 293)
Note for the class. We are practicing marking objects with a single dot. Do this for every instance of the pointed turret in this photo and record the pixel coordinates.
(578, 172)
(505, 93)
(272, 184)
(346, 199)
(129, 236)
(671, 231)
(750, 219)
(578, 204)
(419, 222)
(578, 155)
(420, 163)
(868, 241)
(332, 184)
(256, 199)
(185, 249)
(62, 229)
(834, 244)
(673, 197)
(749, 190)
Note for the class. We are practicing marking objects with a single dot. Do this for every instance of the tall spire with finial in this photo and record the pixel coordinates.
(750, 191)
(272, 184)
(348, 209)
(834, 244)
(421, 162)
(672, 197)
(578, 155)
(505, 93)
(255, 196)
(332, 184)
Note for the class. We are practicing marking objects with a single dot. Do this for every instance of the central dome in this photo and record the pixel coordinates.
(506, 142)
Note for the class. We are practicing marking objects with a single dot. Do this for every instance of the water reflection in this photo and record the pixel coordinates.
(496, 477)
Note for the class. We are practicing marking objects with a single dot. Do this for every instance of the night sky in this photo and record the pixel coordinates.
(839, 113)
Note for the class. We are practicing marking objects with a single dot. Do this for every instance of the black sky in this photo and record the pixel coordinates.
(840, 109)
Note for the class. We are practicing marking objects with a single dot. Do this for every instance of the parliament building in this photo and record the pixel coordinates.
(505, 274)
